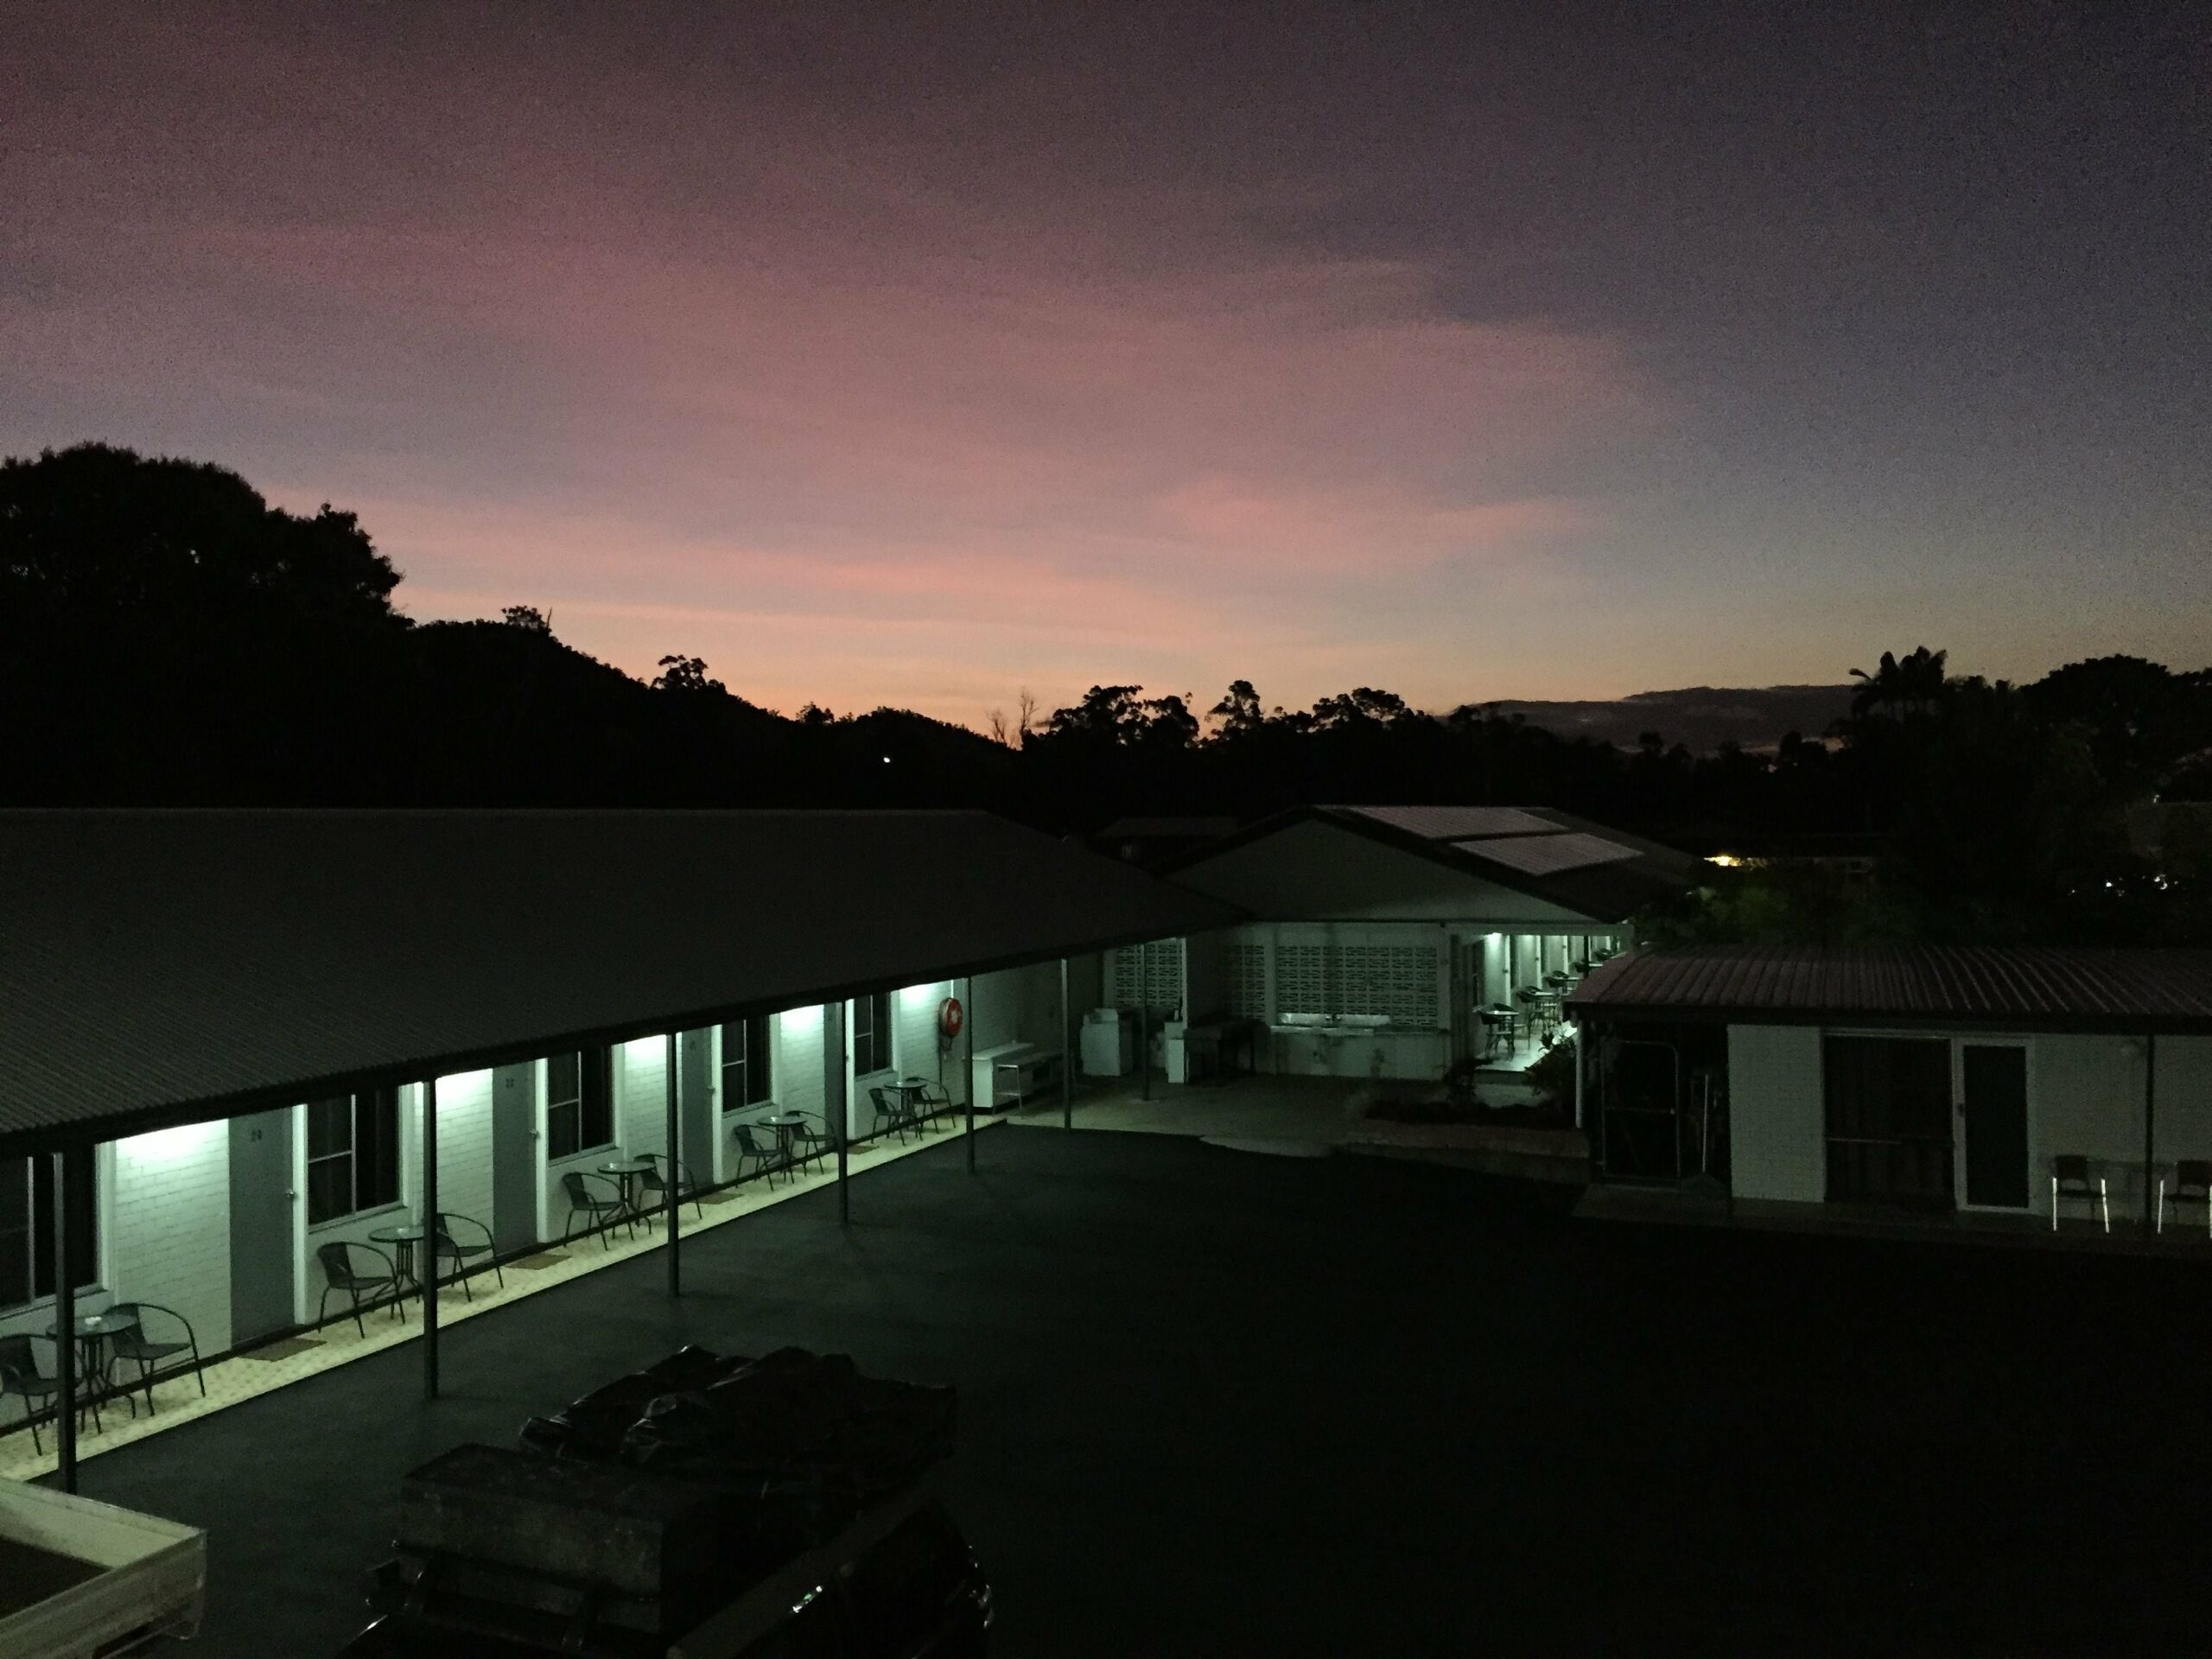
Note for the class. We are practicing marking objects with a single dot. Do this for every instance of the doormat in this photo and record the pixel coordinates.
(283, 1348)
(543, 1259)
(725, 1196)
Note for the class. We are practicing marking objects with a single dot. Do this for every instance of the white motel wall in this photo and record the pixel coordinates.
(164, 1198)
(2085, 1096)
(1297, 979)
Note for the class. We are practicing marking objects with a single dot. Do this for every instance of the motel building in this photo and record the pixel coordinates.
(2007, 1090)
(1388, 943)
(247, 1053)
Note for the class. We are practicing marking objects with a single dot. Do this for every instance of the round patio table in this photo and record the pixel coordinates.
(630, 1176)
(913, 1093)
(785, 1123)
(403, 1239)
(94, 1332)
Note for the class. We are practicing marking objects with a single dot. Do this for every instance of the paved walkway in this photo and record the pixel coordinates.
(340, 1341)
(1289, 1116)
(1214, 1404)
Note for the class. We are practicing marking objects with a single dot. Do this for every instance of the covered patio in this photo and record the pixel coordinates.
(247, 1053)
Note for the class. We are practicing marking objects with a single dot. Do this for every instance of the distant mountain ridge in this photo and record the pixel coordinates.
(1700, 717)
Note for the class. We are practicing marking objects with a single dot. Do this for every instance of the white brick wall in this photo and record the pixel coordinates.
(1777, 1126)
(164, 1234)
(464, 1147)
(913, 1018)
(641, 1095)
(168, 1226)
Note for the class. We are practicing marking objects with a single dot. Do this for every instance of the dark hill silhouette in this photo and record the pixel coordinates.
(167, 638)
(1700, 717)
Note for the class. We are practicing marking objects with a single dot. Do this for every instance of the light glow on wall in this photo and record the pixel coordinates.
(922, 996)
(802, 1019)
(180, 1145)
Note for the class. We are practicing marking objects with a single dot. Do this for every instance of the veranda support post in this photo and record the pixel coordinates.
(430, 1259)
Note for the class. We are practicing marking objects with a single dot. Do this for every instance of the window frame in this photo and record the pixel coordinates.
(376, 1155)
(880, 1036)
(40, 1277)
(593, 1099)
(757, 1086)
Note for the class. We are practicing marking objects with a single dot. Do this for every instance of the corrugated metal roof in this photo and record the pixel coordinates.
(1452, 822)
(151, 961)
(1468, 840)
(1982, 985)
(1548, 854)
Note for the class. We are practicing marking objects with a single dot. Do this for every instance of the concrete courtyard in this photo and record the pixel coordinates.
(1215, 1402)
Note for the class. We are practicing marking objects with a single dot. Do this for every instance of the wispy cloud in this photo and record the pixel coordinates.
(827, 413)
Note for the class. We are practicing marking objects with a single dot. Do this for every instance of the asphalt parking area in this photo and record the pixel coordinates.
(1215, 1402)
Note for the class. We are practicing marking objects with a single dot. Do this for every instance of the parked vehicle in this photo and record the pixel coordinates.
(704, 1509)
(80, 1578)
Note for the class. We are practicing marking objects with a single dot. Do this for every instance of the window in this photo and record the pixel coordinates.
(27, 1227)
(748, 1067)
(1888, 1105)
(352, 1154)
(579, 1103)
(871, 1033)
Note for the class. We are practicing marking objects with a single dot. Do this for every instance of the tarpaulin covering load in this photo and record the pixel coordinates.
(813, 1439)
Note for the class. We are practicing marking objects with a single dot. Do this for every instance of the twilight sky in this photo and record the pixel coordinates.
(883, 359)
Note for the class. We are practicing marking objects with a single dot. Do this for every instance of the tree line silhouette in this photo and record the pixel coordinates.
(168, 637)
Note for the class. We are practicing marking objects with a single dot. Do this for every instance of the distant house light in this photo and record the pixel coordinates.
(1726, 860)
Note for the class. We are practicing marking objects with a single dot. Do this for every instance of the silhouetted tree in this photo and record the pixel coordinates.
(1912, 686)
(93, 531)
(687, 676)
(1239, 710)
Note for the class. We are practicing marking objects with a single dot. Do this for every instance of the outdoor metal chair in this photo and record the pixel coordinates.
(1536, 1011)
(890, 1109)
(362, 1287)
(811, 1137)
(2192, 1183)
(20, 1376)
(656, 1183)
(600, 1214)
(1498, 1031)
(463, 1247)
(144, 1349)
(933, 1100)
(2071, 1180)
(765, 1162)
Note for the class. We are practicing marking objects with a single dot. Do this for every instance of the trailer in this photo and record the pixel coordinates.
(705, 1508)
(80, 1578)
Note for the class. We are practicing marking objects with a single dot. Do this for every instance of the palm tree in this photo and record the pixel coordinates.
(1913, 686)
